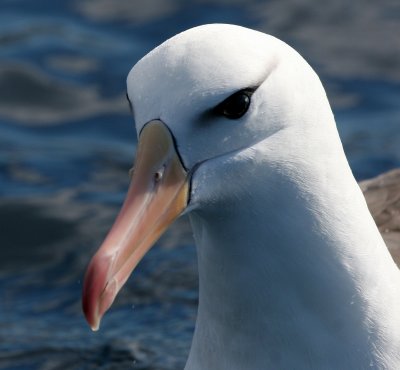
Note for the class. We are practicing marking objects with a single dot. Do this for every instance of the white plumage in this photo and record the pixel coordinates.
(293, 271)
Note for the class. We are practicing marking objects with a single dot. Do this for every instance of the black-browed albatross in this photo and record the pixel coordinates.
(235, 130)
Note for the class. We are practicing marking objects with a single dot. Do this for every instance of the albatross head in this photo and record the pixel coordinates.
(198, 99)
(235, 129)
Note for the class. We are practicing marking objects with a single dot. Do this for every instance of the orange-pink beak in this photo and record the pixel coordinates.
(156, 197)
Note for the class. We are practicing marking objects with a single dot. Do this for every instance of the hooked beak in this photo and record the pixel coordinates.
(157, 195)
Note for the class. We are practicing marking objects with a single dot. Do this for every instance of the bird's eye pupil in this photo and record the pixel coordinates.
(236, 105)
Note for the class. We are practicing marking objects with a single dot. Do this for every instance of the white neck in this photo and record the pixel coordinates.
(286, 286)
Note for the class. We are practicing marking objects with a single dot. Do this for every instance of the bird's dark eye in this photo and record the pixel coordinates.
(236, 105)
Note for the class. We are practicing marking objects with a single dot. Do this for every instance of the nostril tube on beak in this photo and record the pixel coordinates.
(159, 174)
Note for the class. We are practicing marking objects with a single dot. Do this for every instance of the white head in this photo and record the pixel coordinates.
(184, 79)
(214, 95)
(234, 125)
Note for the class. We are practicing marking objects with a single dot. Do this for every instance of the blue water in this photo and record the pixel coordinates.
(67, 142)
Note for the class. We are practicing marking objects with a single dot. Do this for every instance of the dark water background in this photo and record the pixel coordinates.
(67, 142)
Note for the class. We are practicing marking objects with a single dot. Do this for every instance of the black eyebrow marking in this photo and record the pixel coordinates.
(248, 90)
(130, 103)
(212, 112)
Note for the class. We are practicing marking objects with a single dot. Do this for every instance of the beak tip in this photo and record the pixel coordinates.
(91, 288)
(92, 318)
(98, 292)
(95, 326)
